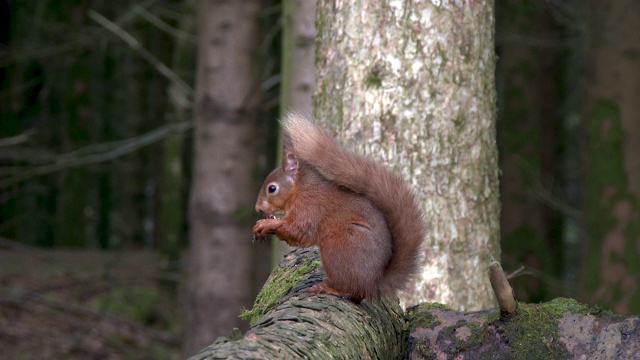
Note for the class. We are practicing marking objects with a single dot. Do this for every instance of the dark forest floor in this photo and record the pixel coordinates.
(86, 305)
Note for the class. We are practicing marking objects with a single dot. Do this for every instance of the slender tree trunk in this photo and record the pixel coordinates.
(120, 69)
(571, 169)
(220, 267)
(172, 199)
(411, 84)
(612, 186)
(527, 78)
(73, 97)
(298, 70)
(156, 105)
(134, 176)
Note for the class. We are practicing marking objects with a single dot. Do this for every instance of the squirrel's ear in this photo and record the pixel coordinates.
(290, 162)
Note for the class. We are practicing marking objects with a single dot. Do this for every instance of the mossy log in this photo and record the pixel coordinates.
(291, 324)
(559, 329)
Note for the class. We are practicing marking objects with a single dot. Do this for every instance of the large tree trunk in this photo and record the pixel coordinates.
(411, 84)
(612, 129)
(221, 263)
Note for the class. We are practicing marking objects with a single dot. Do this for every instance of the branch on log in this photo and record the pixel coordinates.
(504, 292)
(300, 325)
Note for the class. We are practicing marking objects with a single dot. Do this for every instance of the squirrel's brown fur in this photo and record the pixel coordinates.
(364, 217)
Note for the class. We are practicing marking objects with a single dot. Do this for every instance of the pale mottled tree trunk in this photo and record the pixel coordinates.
(221, 263)
(411, 84)
(612, 129)
(298, 70)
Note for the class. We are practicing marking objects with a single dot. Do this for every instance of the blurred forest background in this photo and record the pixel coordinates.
(96, 147)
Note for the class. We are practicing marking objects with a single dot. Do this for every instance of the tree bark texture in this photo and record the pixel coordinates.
(611, 274)
(411, 84)
(298, 70)
(222, 262)
(559, 329)
(298, 325)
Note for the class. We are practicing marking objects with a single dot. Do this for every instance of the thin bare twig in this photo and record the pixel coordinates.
(183, 88)
(542, 193)
(521, 271)
(18, 139)
(88, 155)
(177, 33)
(559, 286)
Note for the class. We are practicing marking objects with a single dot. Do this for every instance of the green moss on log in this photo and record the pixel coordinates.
(275, 287)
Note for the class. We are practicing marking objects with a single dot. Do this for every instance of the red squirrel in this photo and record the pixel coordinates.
(364, 218)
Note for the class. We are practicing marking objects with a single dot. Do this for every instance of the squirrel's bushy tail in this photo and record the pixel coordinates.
(384, 188)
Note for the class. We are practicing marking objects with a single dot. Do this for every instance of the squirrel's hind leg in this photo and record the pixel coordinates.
(324, 288)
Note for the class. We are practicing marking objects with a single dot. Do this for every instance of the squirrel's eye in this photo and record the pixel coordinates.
(272, 188)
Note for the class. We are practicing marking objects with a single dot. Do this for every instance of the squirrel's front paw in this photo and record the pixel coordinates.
(265, 227)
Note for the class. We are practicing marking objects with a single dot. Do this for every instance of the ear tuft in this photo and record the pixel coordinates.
(287, 144)
(290, 162)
